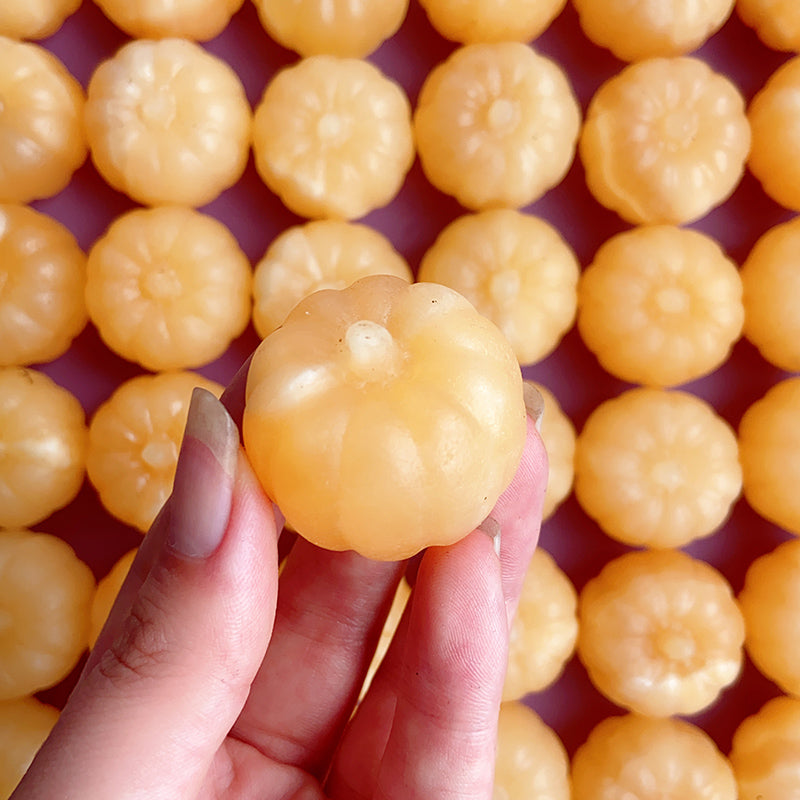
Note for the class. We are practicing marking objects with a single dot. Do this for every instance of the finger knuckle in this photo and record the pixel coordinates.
(142, 648)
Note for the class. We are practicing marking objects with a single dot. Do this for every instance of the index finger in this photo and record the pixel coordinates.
(444, 670)
(519, 515)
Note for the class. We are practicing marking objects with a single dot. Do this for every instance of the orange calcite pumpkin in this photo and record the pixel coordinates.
(384, 417)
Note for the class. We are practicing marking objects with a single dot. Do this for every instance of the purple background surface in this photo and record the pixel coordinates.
(571, 706)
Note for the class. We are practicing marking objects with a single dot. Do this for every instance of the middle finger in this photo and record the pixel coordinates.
(330, 613)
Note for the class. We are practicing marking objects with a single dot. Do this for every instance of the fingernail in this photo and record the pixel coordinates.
(491, 527)
(534, 403)
(200, 504)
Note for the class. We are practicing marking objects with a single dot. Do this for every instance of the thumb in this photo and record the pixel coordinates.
(173, 668)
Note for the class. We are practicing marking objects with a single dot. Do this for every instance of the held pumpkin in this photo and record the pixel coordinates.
(384, 417)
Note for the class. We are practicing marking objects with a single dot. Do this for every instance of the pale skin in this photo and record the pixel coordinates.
(205, 684)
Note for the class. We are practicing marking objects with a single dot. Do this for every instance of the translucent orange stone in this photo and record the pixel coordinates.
(42, 283)
(660, 305)
(657, 468)
(384, 417)
(777, 22)
(532, 762)
(665, 141)
(660, 633)
(156, 19)
(332, 137)
(34, 19)
(45, 595)
(24, 725)
(558, 436)
(322, 254)
(168, 288)
(769, 438)
(631, 756)
(168, 123)
(635, 31)
(770, 601)
(475, 21)
(765, 753)
(545, 630)
(331, 27)
(771, 281)
(43, 447)
(134, 441)
(42, 142)
(516, 269)
(106, 594)
(496, 125)
(774, 116)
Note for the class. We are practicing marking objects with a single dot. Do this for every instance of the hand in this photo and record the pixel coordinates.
(208, 683)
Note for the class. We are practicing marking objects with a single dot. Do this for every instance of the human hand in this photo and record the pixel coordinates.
(207, 682)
